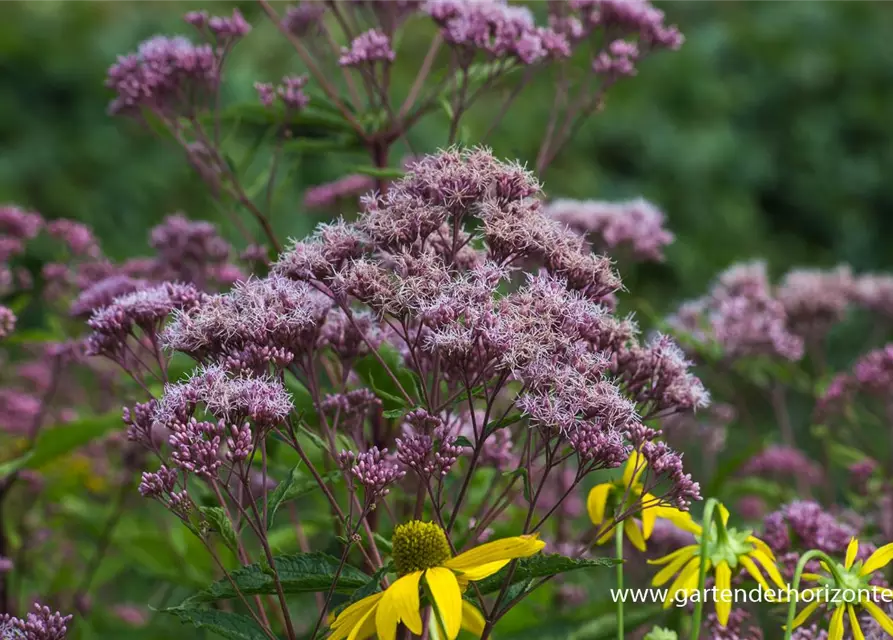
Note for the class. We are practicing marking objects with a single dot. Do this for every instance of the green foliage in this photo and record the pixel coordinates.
(298, 573)
(543, 565)
(233, 626)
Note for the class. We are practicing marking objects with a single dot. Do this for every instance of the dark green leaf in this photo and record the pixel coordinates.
(217, 517)
(233, 626)
(462, 441)
(55, 442)
(304, 485)
(298, 573)
(541, 566)
(505, 422)
(285, 490)
(394, 413)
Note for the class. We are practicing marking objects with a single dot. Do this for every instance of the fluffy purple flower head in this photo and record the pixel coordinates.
(102, 293)
(41, 623)
(496, 29)
(325, 195)
(815, 300)
(373, 470)
(637, 225)
(78, 237)
(195, 446)
(304, 19)
(19, 224)
(187, 250)
(366, 49)
(7, 321)
(804, 525)
(158, 484)
(146, 309)
(779, 461)
(228, 28)
(160, 73)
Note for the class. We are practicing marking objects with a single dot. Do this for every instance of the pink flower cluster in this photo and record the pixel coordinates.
(368, 48)
(636, 225)
(39, 624)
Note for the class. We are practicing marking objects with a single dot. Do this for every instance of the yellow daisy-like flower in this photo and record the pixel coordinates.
(422, 559)
(631, 491)
(726, 549)
(850, 587)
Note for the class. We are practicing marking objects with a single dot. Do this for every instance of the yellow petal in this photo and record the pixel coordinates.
(353, 616)
(365, 628)
(723, 584)
(447, 598)
(723, 513)
(803, 616)
(662, 576)
(882, 618)
(754, 572)
(855, 629)
(878, 560)
(685, 582)
(633, 533)
(769, 567)
(635, 465)
(810, 577)
(762, 546)
(492, 552)
(597, 502)
(649, 515)
(682, 520)
(481, 572)
(472, 619)
(835, 630)
(606, 537)
(399, 604)
(689, 551)
(851, 550)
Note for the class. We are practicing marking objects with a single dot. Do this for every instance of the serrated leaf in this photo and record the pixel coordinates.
(298, 573)
(222, 525)
(55, 442)
(284, 491)
(541, 566)
(233, 626)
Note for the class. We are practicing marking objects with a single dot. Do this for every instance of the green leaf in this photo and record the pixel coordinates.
(387, 173)
(374, 374)
(55, 442)
(541, 566)
(298, 573)
(222, 525)
(283, 491)
(394, 413)
(11, 466)
(505, 422)
(233, 626)
(298, 486)
(462, 441)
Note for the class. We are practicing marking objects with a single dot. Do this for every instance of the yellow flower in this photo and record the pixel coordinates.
(850, 587)
(631, 491)
(726, 550)
(422, 559)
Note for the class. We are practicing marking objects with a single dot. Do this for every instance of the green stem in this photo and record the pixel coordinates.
(706, 526)
(795, 584)
(618, 540)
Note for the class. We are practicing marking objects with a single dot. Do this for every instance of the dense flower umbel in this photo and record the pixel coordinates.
(852, 579)
(637, 499)
(422, 555)
(728, 552)
(40, 624)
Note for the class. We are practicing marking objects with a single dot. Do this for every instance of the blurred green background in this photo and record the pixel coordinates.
(768, 135)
